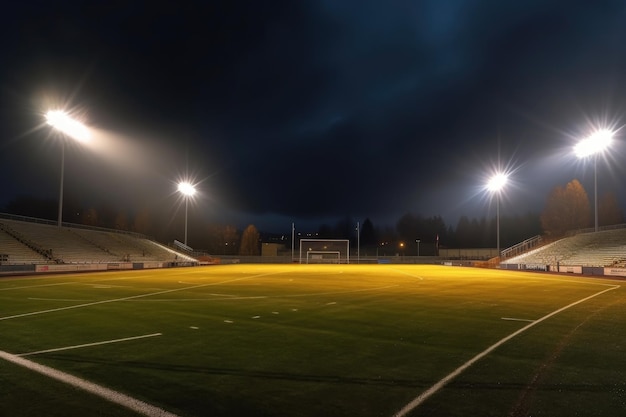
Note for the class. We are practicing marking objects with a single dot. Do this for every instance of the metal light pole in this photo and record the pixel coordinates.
(595, 192)
(188, 190)
(418, 246)
(293, 237)
(62, 122)
(592, 146)
(495, 185)
(498, 224)
(358, 242)
(60, 219)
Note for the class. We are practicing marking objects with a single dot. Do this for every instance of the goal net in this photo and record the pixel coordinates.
(325, 251)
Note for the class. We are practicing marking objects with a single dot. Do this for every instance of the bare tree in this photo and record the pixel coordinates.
(250, 242)
(567, 209)
(222, 240)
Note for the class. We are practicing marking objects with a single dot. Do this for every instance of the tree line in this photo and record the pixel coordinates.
(567, 208)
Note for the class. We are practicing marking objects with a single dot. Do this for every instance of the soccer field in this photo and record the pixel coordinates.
(312, 340)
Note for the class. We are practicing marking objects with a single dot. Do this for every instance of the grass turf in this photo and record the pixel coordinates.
(303, 340)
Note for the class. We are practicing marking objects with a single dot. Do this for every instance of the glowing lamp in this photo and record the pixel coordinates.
(497, 182)
(61, 121)
(186, 189)
(594, 144)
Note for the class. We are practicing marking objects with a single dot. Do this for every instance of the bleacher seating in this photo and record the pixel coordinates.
(36, 243)
(18, 253)
(603, 248)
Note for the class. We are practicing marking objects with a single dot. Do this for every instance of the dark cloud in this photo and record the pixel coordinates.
(312, 109)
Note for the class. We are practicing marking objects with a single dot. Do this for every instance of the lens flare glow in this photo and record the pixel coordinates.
(595, 143)
(497, 182)
(186, 188)
(64, 123)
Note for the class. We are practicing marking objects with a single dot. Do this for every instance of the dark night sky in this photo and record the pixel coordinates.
(312, 110)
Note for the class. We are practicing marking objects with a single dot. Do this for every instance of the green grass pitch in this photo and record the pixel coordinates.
(326, 340)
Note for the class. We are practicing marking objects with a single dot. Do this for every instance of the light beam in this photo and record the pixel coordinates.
(61, 121)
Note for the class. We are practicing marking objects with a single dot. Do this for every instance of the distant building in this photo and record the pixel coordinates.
(272, 249)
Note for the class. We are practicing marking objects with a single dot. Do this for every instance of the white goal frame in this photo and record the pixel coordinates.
(336, 251)
(319, 256)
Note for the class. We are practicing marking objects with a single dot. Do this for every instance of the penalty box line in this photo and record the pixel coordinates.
(443, 382)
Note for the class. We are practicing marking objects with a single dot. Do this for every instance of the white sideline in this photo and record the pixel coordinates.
(106, 393)
(105, 342)
(443, 382)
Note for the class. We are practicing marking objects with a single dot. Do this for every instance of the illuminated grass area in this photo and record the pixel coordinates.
(304, 340)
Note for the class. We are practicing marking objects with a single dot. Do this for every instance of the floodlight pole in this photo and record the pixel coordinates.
(593, 145)
(498, 223)
(595, 190)
(293, 239)
(187, 190)
(186, 206)
(62, 122)
(60, 220)
(358, 242)
(495, 185)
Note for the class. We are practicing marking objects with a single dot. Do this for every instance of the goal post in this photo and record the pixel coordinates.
(330, 251)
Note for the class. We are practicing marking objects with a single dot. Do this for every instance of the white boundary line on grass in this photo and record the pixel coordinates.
(406, 273)
(516, 319)
(35, 286)
(443, 382)
(106, 393)
(132, 297)
(105, 342)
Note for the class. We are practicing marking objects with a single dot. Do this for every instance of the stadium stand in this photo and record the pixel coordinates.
(25, 242)
(17, 252)
(596, 249)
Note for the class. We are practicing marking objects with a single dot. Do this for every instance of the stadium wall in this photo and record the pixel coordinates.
(354, 259)
(568, 269)
(86, 267)
(469, 253)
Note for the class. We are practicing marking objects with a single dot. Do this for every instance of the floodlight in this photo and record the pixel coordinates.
(596, 143)
(497, 182)
(186, 189)
(62, 122)
(71, 127)
(593, 145)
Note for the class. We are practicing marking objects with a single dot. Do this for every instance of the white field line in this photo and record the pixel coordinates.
(160, 300)
(103, 392)
(443, 382)
(269, 296)
(337, 292)
(406, 273)
(105, 342)
(132, 297)
(106, 393)
(35, 286)
(516, 319)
